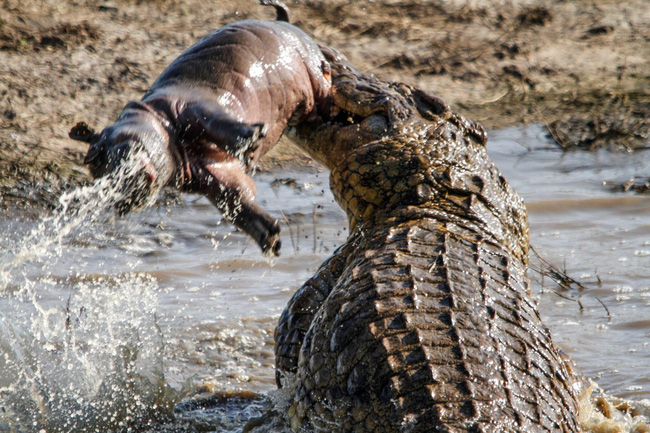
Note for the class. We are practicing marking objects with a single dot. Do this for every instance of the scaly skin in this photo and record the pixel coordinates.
(423, 321)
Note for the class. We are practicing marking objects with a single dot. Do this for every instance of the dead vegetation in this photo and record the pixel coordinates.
(618, 123)
(561, 283)
(640, 185)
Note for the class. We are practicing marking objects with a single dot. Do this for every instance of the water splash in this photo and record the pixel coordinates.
(77, 210)
(79, 354)
(600, 413)
(94, 363)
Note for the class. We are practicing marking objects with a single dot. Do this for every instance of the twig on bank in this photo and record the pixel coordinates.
(559, 276)
(564, 281)
(286, 220)
(542, 273)
(582, 307)
(492, 100)
(314, 225)
(609, 315)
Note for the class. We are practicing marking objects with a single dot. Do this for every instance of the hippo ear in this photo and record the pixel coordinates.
(82, 132)
(239, 139)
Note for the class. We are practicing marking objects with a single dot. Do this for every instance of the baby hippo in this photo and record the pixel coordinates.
(213, 113)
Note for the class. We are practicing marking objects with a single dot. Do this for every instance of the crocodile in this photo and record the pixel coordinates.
(423, 320)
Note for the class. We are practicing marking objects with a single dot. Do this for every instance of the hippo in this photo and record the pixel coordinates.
(213, 112)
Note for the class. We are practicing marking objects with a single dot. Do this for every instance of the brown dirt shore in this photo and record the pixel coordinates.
(580, 67)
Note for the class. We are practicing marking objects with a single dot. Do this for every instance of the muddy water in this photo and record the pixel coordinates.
(108, 327)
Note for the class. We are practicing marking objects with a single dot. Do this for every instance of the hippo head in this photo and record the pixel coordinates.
(133, 152)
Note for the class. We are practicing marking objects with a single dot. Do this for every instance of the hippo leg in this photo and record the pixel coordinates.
(239, 139)
(233, 193)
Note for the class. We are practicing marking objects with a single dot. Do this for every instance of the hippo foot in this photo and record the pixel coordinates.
(264, 229)
(271, 244)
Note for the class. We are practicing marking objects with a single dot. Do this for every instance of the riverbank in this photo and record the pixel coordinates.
(582, 68)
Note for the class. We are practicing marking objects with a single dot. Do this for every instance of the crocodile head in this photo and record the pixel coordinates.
(394, 150)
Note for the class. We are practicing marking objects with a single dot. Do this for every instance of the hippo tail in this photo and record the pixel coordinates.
(281, 10)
